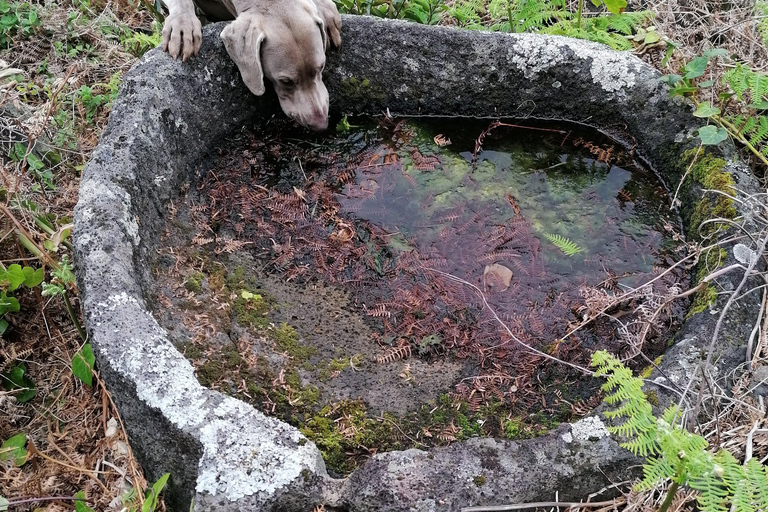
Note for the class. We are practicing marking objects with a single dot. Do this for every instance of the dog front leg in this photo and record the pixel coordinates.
(182, 31)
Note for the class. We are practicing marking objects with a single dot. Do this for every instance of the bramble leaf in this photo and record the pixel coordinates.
(17, 379)
(615, 6)
(80, 505)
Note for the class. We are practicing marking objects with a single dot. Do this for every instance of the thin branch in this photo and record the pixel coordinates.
(539, 504)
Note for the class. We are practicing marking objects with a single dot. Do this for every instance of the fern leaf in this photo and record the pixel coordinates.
(738, 80)
(569, 248)
(654, 472)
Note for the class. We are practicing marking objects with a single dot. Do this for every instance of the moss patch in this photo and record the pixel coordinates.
(194, 282)
(479, 480)
(709, 172)
(713, 259)
(287, 339)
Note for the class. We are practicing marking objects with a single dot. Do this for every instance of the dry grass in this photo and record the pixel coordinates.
(75, 430)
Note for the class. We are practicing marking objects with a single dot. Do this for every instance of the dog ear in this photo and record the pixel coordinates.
(321, 25)
(242, 39)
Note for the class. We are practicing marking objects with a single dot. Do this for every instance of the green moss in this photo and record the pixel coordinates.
(513, 429)
(702, 300)
(286, 338)
(192, 351)
(251, 309)
(479, 480)
(713, 259)
(361, 89)
(646, 373)
(194, 282)
(709, 172)
(231, 358)
(652, 398)
(236, 278)
(217, 278)
(210, 372)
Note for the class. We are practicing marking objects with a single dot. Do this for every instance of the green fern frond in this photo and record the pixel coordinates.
(468, 13)
(758, 134)
(742, 79)
(569, 248)
(723, 483)
(655, 471)
(626, 23)
(761, 9)
(757, 475)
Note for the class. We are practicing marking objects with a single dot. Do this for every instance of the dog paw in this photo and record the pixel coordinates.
(182, 35)
(331, 19)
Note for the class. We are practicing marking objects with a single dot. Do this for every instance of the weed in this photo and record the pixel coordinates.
(749, 89)
(17, 19)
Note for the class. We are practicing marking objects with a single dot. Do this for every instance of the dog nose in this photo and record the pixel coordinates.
(319, 121)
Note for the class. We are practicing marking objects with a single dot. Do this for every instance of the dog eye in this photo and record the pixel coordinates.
(287, 82)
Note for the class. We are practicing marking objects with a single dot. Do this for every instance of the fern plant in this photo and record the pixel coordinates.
(568, 247)
(761, 12)
(609, 30)
(526, 15)
(674, 453)
(551, 17)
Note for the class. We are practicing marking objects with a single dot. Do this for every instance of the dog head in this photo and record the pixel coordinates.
(287, 44)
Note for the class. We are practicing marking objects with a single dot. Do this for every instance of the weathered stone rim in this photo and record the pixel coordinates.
(224, 453)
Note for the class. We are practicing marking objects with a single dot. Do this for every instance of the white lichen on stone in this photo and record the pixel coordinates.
(243, 454)
(244, 451)
(611, 70)
(588, 428)
(567, 437)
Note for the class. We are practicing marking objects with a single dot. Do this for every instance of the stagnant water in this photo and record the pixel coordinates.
(460, 241)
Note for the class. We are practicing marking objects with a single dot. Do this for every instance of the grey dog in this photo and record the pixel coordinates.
(284, 40)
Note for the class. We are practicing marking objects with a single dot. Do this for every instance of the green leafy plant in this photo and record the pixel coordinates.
(151, 498)
(139, 43)
(745, 92)
(565, 245)
(80, 504)
(427, 12)
(16, 19)
(82, 364)
(35, 164)
(13, 449)
(93, 102)
(16, 380)
(11, 278)
(611, 27)
(674, 453)
(761, 10)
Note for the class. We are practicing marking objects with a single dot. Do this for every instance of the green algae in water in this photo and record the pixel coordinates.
(455, 202)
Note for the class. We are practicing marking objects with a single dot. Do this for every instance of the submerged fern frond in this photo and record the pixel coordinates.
(569, 248)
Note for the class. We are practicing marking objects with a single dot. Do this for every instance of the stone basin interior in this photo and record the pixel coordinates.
(317, 277)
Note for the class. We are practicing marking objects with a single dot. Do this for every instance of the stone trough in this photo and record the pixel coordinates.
(225, 455)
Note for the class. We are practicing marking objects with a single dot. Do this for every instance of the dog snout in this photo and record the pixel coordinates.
(319, 121)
